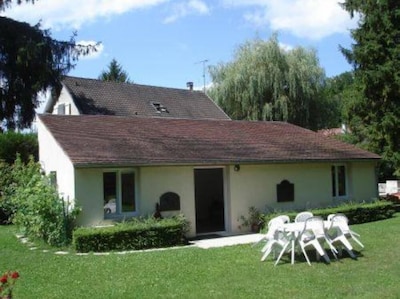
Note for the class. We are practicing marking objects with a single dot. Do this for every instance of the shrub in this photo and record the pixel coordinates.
(36, 206)
(132, 235)
(13, 144)
(356, 212)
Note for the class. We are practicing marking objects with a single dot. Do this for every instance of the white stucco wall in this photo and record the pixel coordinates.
(364, 181)
(251, 186)
(53, 158)
(152, 183)
(256, 186)
(66, 99)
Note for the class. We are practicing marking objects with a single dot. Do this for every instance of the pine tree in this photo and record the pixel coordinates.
(374, 116)
(114, 73)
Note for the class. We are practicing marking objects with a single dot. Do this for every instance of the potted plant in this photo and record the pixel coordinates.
(253, 220)
(7, 282)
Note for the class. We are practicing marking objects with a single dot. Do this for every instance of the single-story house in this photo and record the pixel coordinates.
(80, 96)
(210, 170)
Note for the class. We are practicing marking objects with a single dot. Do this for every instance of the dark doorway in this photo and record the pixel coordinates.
(209, 200)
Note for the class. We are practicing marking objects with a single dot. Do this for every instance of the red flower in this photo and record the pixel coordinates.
(4, 279)
(14, 275)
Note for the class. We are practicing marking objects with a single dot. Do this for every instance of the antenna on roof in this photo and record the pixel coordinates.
(204, 73)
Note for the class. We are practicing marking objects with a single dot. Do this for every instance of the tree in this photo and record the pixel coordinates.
(114, 73)
(30, 62)
(265, 82)
(374, 115)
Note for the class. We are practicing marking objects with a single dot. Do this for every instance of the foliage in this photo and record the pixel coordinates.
(30, 62)
(132, 235)
(7, 282)
(190, 272)
(36, 207)
(114, 73)
(357, 213)
(254, 218)
(13, 143)
(266, 82)
(374, 115)
(6, 3)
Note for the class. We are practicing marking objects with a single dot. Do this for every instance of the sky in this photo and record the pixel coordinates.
(170, 42)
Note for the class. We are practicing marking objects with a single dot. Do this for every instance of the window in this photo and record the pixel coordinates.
(53, 179)
(159, 107)
(339, 181)
(64, 109)
(61, 109)
(119, 189)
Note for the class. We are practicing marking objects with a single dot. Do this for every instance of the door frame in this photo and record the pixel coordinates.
(225, 196)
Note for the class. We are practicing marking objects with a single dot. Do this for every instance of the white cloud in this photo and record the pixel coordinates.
(183, 9)
(286, 47)
(73, 13)
(93, 54)
(313, 19)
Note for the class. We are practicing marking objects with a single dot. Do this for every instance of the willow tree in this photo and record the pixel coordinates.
(266, 82)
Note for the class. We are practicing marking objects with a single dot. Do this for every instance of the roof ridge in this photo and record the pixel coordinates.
(133, 83)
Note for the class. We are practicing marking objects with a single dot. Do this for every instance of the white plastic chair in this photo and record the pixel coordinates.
(342, 233)
(285, 218)
(280, 241)
(314, 234)
(303, 216)
(273, 224)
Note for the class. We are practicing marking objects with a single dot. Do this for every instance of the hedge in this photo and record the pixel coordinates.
(135, 235)
(357, 213)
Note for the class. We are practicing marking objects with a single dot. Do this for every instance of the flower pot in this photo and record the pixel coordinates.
(255, 228)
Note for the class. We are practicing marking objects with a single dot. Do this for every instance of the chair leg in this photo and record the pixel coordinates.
(282, 252)
(305, 255)
(358, 241)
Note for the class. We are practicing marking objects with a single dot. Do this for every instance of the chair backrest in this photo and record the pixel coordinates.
(276, 221)
(303, 216)
(285, 218)
(315, 224)
(273, 224)
(341, 221)
(330, 216)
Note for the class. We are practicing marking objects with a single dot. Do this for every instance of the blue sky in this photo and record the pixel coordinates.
(163, 42)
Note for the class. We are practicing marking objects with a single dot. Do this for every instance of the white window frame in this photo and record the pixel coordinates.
(335, 181)
(119, 214)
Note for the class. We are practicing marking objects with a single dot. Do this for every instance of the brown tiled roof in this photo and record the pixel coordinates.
(93, 96)
(110, 140)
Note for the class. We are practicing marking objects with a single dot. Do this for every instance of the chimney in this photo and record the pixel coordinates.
(189, 85)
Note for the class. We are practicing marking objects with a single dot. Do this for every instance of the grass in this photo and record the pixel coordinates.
(229, 272)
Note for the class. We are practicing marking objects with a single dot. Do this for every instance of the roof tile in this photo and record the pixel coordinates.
(111, 140)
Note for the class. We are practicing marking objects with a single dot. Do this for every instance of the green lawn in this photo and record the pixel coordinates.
(230, 272)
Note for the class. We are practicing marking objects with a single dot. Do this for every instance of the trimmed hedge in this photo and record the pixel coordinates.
(356, 212)
(132, 235)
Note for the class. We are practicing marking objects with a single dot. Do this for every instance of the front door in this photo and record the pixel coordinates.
(209, 199)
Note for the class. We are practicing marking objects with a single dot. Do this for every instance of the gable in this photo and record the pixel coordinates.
(109, 140)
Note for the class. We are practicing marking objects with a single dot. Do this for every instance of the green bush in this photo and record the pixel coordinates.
(356, 212)
(13, 144)
(132, 235)
(36, 207)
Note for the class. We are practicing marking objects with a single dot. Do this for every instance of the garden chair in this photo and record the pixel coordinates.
(314, 234)
(285, 218)
(280, 241)
(342, 233)
(303, 216)
(273, 224)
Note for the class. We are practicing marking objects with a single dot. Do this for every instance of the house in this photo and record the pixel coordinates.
(211, 170)
(90, 96)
